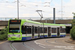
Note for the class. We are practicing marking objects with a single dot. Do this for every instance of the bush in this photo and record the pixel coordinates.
(3, 34)
(72, 33)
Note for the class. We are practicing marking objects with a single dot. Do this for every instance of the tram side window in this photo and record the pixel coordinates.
(23, 30)
(35, 29)
(53, 30)
(38, 29)
(45, 30)
(41, 29)
(26, 29)
(62, 30)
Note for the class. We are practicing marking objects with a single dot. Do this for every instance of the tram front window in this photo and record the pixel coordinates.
(14, 28)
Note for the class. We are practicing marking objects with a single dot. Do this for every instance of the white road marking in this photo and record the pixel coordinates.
(39, 43)
(52, 42)
(42, 46)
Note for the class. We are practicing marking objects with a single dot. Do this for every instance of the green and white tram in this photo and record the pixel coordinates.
(55, 30)
(22, 30)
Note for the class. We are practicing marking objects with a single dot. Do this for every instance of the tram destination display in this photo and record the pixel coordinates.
(15, 21)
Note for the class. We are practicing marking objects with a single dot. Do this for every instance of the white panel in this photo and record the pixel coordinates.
(14, 35)
(53, 33)
(35, 34)
(63, 33)
(45, 26)
(45, 33)
(29, 34)
(24, 34)
(68, 24)
(41, 33)
(63, 27)
(54, 26)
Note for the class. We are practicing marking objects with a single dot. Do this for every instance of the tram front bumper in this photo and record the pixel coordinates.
(14, 38)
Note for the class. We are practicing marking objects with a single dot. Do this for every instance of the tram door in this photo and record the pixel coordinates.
(38, 31)
(58, 32)
(32, 31)
(49, 34)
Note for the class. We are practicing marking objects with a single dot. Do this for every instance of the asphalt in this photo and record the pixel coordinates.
(39, 44)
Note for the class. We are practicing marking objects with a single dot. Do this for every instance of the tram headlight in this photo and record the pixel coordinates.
(18, 36)
(9, 36)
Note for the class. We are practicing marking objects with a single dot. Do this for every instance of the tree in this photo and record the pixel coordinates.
(3, 34)
(72, 33)
(74, 15)
(73, 21)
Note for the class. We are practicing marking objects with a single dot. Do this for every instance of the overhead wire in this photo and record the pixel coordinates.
(23, 5)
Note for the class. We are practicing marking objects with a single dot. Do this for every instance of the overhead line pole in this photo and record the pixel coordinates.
(54, 15)
(18, 9)
(61, 9)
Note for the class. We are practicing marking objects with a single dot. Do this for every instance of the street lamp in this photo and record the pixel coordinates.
(18, 9)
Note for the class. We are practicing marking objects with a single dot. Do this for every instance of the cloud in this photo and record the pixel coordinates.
(27, 8)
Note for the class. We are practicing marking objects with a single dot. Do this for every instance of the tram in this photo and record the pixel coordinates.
(22, 30)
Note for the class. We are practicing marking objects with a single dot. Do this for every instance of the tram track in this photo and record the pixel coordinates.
(30, 48)
(11, 45)
(55, 43)
(51, 42)
(23, 44)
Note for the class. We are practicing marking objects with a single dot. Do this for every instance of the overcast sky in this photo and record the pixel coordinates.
(8, 8)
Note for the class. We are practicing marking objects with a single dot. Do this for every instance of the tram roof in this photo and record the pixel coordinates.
(29, 21)
(54, 24)
(23, 21)
(42, 23)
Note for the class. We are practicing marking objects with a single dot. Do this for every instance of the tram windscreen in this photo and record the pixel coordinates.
(14, 26)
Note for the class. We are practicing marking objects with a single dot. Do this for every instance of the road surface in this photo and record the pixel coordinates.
(39, 44)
